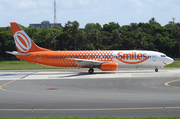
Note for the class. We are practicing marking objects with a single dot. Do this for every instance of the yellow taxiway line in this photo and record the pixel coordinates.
(168, 83)
(6, 84)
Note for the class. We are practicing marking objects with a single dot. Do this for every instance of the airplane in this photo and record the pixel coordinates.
(108, 60)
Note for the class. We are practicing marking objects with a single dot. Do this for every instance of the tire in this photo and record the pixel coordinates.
(156, 70)
(91, 71)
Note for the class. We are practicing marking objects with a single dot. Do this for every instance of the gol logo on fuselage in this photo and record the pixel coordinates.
(23, 42)
(134, 57)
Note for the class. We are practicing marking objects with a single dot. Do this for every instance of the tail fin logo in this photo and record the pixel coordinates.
(22, 41)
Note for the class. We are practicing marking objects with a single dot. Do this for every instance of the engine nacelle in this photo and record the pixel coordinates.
(110, 66)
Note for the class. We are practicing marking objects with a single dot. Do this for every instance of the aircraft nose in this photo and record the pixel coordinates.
(170, 60)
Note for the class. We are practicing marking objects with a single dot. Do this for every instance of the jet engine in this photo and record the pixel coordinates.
(110, 66)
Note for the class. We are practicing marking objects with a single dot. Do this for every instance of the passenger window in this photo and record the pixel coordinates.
(163, 55)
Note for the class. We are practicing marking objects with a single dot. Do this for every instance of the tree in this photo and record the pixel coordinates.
(152, 21)
(6, 43)
(64, 40)
(141, 41)
(73, 29)
(95, 37)
(176, 31)
(31, 32)
(53, 33)
(149, 36)
(171, 25)
(133, 26)
(106, 40)
(82, 38)
(110, 27)
(90, 26)
(42, 38)
(116, 36)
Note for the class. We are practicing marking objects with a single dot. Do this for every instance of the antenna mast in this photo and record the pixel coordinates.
(55, 20)
(173, 19)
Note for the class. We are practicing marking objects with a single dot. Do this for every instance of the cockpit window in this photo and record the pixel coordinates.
(163, 55)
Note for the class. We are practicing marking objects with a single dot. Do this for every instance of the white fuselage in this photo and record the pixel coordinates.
(138, 58)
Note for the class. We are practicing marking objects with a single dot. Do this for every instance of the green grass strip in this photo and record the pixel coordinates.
(176, 63)
(91, 118)
(22, 65)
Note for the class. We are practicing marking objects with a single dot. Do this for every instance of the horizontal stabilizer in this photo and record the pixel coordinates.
(17, 53)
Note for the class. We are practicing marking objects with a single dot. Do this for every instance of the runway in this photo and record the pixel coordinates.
(128, 92)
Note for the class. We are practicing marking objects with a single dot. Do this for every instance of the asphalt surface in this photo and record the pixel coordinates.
(72, 92)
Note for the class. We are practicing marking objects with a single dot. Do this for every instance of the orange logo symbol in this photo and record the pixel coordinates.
(22, 41)
(133, 58)
(164, 63)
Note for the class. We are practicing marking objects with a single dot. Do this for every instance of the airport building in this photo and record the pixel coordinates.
(45, 24)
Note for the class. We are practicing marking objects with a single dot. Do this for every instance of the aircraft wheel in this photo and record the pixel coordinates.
(91, 71)
(156, 70)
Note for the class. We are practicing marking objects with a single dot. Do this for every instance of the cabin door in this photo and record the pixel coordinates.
(154, 57)
(39, 58)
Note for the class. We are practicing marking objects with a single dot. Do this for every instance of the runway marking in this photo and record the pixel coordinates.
(95, 109)
(52, 88)
(85, 96)
(168, 83)
(49, 94)
(6, 84)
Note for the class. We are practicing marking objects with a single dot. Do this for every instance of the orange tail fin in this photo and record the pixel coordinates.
(23, 42)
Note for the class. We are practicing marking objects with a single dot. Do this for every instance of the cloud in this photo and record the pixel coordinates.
(70, 4)
(1, 7)
(28, 4)
(83, 2)
(88, 11)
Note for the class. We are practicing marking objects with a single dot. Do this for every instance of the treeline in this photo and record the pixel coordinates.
(111, 36)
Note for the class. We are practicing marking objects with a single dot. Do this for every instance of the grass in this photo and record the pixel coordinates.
(176, 63)
(22, 65)
(91, 118)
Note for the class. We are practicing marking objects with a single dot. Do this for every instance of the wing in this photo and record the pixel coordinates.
(84, 62)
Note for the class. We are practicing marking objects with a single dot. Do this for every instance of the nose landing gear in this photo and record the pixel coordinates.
(156, 70)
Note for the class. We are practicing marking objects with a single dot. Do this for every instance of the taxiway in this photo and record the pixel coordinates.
(72, 92)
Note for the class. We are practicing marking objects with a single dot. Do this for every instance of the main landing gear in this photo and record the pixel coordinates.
(156, 70)
(91, 70)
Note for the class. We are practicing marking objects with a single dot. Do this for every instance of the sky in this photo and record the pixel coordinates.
(124, 12)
